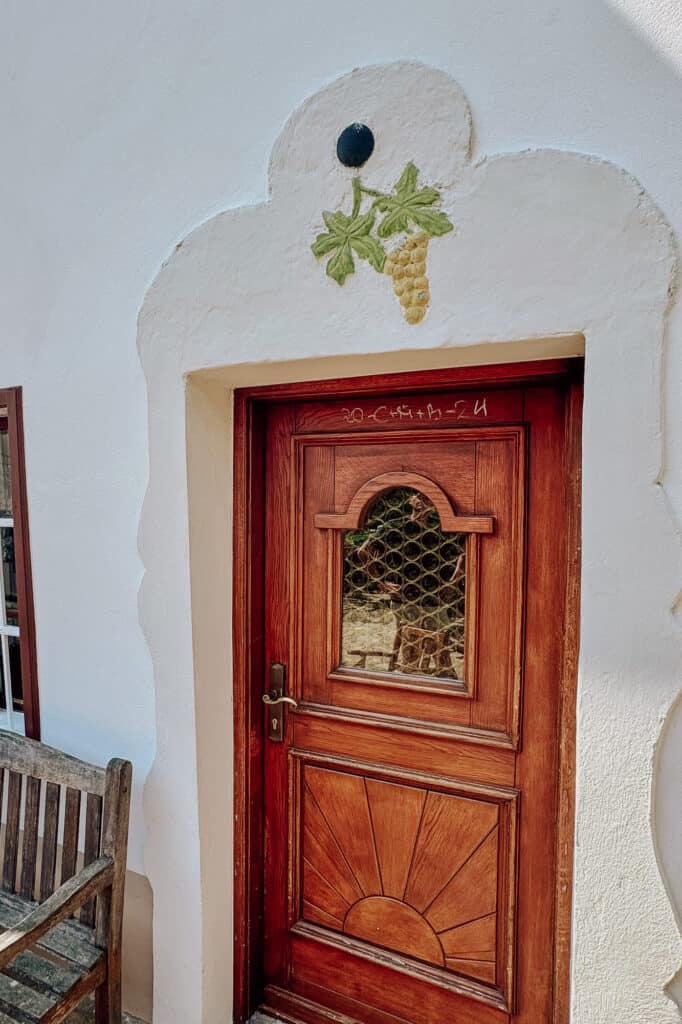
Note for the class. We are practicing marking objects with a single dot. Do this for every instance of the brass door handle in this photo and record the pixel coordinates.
(275, 696)
(267, 699)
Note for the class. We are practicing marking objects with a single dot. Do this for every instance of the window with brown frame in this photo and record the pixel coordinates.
(18, 676)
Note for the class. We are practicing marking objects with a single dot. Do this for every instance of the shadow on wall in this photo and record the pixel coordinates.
(667, 820)
(137, 947)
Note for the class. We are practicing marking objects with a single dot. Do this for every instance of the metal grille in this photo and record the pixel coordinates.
(404, 583)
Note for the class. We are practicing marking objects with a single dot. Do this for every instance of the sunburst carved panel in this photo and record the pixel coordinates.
(405, 868)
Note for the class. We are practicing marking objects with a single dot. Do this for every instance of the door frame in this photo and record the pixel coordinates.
(248, 632)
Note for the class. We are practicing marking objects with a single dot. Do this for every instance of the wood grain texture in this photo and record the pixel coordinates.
(399, 694)
(323, 851)
(72, 817)
(433, 865)
(109, 923)
(475, 940)
(414, 382)
(11, 398)
(29, 852)
(426, 453)
(71, 999)
(569, 686)
(450, 521)
(248, 670)
(364, 980)
(93, 831)
(342, 799)
(314, 488)
(11, 851)
(69, 940)
(478, 471)
(537, 770)
(391, 414)
(40, 987)
(322, 896)
(451, 756)
(48, 862)
(277, 640)
(306, 1006)
(471, 892)
(451, 830)
(32, 986)
(60, 905)
(31, 758)
(410, 994)
(396, 813)
(392, 924)
(480, 969)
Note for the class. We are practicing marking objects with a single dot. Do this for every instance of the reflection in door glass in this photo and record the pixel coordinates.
(404, 583)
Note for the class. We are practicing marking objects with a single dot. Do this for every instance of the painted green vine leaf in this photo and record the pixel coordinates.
(407, 211)
(346, 236)
(408, 208)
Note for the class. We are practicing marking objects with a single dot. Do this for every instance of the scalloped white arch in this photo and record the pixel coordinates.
(550, 246)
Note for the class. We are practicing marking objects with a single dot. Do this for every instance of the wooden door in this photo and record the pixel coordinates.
(415, 581)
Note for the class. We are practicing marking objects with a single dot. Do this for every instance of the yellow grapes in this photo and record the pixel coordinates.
(407, 267)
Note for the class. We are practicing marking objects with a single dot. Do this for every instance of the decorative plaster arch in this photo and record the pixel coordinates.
(544, 242)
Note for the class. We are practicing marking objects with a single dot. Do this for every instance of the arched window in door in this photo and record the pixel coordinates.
(404, 590)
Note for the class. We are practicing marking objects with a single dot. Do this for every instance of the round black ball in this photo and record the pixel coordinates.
(355, 145)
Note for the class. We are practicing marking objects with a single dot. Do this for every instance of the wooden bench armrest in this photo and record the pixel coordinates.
(60, 905)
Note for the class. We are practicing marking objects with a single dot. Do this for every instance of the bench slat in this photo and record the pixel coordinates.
(9, 867)
(93, 832)
(41, 974)
(49, 858)
(29, 851)
(22, 1003)
(36, 992)
(70, 940)
(70, 840)
(55, 802)
(32, 758)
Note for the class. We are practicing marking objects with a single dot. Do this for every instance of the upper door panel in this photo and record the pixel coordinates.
(409, 575)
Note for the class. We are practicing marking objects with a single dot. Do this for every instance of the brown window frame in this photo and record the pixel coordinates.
(11, 399)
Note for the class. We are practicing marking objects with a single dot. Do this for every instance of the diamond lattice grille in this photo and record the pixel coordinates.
(404, 583)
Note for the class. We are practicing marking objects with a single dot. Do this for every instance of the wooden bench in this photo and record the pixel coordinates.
(61, 910)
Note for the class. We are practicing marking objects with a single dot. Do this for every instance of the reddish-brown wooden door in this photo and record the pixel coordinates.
(415, 580)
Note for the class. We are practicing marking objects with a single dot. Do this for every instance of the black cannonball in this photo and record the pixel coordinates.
(355, 145)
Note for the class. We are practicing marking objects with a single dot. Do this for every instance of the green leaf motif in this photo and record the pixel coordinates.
(407, 182)
(371, 250)
(362, 225)
(434, 222)
(408, 207)
(336, 222)
(342, 264)
(324, 244)
(393, 223)
(344, 236)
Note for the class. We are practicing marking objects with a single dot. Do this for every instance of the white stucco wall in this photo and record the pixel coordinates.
(545, 242)
(124, 126)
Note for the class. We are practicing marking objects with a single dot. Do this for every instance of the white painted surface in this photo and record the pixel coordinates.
(546, 242)
(125, 125)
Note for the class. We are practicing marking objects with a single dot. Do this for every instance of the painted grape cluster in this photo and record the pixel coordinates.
(409, 212)
(407, 267)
